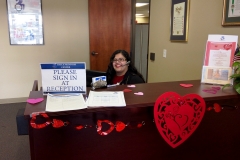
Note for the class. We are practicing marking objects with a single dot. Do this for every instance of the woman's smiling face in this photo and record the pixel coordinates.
(119, 64)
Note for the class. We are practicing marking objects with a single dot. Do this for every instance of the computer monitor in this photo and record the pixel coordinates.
(92, 73)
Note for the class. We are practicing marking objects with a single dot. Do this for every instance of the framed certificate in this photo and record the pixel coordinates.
(231, 13)
(179, 20)
(25, 22)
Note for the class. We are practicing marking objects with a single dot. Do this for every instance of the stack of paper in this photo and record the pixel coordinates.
(75, 102)
(106, 99)
(65, 102)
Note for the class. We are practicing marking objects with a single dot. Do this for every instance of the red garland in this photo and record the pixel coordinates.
(56, 122)
(120, 126)
(216, 108)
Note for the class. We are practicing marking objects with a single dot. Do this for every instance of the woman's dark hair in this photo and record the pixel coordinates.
(111, 71)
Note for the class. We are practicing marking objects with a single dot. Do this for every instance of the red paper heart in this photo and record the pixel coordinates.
(34, 101)
(127, 90)
(178, 117)
(186, 85)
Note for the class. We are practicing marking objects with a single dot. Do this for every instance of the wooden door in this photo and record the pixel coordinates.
(109, 29)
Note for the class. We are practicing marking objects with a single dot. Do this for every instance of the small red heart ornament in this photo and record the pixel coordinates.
(34, 101)
(177, 117)
(186, 85)
(120, 126)
(127, 90)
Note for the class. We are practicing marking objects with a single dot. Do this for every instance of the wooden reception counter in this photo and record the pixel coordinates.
(217, 137)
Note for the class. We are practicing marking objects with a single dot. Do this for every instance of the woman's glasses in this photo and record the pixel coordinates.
(119, 60)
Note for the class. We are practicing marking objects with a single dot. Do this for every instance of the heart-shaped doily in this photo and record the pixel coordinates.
(34, 101)
(178, 117)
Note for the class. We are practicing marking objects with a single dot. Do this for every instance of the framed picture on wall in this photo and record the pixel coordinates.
(231, 13)
(25, 22)
(179, 20)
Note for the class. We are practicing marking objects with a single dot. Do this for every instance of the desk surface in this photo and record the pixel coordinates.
(217, 137)
(151, 92)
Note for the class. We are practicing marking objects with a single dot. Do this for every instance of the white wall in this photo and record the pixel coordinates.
(66, 40)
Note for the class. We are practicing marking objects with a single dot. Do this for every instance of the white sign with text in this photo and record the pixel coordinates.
(64, 78)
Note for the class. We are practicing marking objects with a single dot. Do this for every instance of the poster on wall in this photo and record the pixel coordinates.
(25, 22)
(179, 20)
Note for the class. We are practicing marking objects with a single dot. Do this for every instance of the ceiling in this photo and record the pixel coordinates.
(144, 10)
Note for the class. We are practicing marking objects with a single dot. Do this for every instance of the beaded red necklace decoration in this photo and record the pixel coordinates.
(119, 126)
(56, 123)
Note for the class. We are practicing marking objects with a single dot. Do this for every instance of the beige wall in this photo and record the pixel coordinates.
(66, 40)
(184, 60)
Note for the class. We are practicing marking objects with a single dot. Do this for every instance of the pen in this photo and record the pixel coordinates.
(112, 85)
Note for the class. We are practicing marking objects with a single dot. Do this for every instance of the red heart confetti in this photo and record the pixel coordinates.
(139, 93)
(34, 101)
(212, 90)
(127, 90)
(186, 85)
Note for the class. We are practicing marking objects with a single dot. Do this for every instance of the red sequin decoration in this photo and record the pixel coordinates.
(38, 126)
(134, 125)
(209, 108)
(58, 123)
(99, 127)
(217, 107)
(79, 127)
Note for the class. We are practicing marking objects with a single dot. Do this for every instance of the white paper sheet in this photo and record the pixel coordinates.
(106, 99)
(65, 102)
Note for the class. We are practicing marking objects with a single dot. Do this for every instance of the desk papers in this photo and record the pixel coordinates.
(65, 102)
(106, 99)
